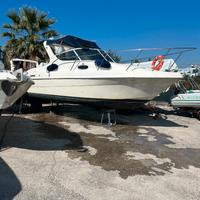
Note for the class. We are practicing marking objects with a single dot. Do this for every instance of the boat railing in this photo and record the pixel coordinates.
(192, 82)
(188, 83)
(181, 87)
(19, 60)
(141, 55)
(166, 52)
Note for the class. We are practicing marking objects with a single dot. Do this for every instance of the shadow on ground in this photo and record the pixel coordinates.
(33, 135)
(140, 117)
(10, 186)
(37, 135)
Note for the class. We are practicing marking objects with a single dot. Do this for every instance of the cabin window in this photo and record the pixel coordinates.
(89, 54)
(69, 55)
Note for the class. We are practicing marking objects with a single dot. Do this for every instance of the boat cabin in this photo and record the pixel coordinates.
(73, 48)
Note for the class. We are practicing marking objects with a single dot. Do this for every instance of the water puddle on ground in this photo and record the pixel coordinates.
(129, 149)
(132, 154)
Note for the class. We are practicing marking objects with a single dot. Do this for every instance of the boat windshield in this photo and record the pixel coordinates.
(89, 54)
(68, 55)
(81, 53)
(93, 54)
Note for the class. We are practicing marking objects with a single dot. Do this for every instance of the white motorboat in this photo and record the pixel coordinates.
(189, 97)
(13, 85)
(79, 71)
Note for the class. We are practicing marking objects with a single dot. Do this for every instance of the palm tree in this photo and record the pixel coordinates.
(27, 29)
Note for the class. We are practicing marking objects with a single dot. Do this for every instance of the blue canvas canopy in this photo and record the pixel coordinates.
(73, 41)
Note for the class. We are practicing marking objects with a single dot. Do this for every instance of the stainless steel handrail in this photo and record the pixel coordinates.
(177, 51)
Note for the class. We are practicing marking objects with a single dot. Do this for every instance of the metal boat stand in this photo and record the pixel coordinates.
(108, 113)
(20, 105)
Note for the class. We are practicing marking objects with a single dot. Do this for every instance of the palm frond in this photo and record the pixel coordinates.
(13, 15)
(49, 34)
(27, 28)
(8, 34)
(8, 26)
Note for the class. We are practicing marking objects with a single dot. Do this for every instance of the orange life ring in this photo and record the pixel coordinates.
(157, 63)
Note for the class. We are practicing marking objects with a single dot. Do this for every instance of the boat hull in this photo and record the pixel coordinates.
(8, 100)
(99, 90)
(186, 104)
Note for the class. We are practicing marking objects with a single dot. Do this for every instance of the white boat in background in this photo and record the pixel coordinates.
(189, 96)
(192, 71)
(190, 99)
(13, 85)
(79, 71)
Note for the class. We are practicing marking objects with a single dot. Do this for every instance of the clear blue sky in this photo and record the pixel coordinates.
(122, 24)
